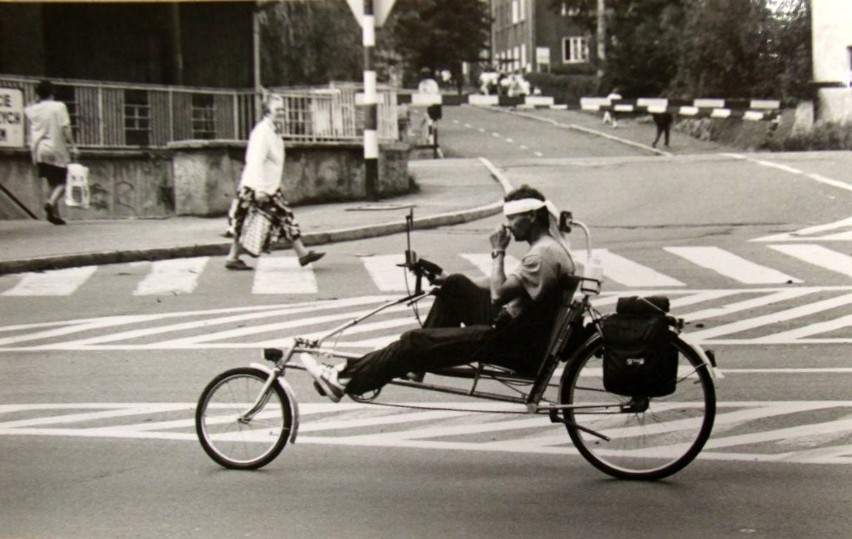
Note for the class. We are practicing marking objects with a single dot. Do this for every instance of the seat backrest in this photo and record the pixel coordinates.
(568, 285)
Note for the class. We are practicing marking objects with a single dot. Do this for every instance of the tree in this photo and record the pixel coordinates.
(439, 34)
(310, 42)
(703, 48)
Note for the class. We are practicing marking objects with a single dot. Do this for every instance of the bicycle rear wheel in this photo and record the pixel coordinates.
(228, 433)
(633, 438)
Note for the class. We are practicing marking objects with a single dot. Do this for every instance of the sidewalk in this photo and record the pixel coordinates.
(451, 191)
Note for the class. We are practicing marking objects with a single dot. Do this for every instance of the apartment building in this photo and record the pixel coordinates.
(832, 59)
(532, 36)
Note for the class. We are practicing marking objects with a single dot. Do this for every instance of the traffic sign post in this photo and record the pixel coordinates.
(370, 14)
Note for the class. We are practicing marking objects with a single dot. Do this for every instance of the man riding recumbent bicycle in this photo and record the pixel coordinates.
(637, 399)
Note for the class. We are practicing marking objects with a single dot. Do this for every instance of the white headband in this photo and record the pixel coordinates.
(524, 205)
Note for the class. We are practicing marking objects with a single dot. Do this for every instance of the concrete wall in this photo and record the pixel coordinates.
(200, 178)
(832, 65)
(123, 184)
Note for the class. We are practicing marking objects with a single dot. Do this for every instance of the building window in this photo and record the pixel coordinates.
(569, 11)
(137, 118)
(203, 117)
(575, 50)
(517, 11)
(849, 82)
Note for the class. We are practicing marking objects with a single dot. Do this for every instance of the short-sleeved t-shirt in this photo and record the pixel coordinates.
(47, 141)
(264, 159)
(540, 268)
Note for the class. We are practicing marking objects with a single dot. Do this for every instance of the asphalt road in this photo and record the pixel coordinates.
(95, 413)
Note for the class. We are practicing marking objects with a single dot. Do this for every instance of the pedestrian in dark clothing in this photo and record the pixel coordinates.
(663, 121)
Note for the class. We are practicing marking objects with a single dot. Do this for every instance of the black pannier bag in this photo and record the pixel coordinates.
(639, 358)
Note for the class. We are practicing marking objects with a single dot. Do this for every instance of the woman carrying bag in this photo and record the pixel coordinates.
(260, 195)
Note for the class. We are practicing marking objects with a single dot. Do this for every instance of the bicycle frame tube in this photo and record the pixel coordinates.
(414, 298)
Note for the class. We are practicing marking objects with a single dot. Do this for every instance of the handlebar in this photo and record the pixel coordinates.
(592, 270)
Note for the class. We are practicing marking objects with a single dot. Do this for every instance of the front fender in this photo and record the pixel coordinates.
(291, 397)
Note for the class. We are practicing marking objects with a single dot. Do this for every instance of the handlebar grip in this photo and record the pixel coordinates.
(430, 268)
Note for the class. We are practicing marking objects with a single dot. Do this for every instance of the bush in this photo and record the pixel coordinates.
(564, 89)
(824, 136)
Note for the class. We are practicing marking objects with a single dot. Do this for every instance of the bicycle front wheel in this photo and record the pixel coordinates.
(232, 430)
(638, 438)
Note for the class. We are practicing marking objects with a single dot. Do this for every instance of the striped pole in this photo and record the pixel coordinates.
(371, 112)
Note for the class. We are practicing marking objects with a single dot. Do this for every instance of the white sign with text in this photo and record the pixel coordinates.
(11, 118)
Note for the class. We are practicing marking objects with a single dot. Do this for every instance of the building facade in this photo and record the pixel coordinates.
(183, 43)
(832, 59)
(530, 36)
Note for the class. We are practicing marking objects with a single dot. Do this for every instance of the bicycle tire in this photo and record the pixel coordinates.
(239, 444)
(645, 444)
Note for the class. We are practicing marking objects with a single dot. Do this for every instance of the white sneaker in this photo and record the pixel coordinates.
(325, 378)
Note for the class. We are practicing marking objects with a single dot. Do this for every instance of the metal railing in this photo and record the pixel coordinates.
(106, 114)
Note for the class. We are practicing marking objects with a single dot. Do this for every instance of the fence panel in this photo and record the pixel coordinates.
(161, 117)
(88, 128)
(181, 116)
(106, 114)
(113, 117)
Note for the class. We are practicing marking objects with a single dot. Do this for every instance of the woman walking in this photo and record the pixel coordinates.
(260, 188)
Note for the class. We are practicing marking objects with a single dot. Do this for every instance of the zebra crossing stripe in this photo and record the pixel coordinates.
(819, 256)
(730, 265)
(730, 308)
(386, 273)
(167, 277)
(52, 283)
(231, 316)
(628, 272)
(810, 233)
(283, 275)
(765, 320)
(279, 326)
(807, 331)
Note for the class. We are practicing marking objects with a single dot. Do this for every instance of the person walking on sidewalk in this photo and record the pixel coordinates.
(663, 121)
(609, 116)
(51, 143)
(260, 187)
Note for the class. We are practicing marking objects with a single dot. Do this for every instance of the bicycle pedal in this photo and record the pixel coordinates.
(319, 389)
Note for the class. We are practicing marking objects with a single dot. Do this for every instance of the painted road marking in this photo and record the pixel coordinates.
(283, 275)
(171, 277)
(789, 315)
(759, 431)
(386, 273)
(62, 282)
(628, 272)
(818, 256)
(791, 170)
(772, 318)
(813, 233)
(731, 265)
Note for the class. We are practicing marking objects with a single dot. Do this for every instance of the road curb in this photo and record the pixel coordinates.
(45, 263)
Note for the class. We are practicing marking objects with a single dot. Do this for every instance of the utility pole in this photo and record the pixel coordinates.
(601, 39)
(370, 14)
(371, 107)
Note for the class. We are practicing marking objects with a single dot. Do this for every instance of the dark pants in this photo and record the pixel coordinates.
(440, 343)
(664, 125)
